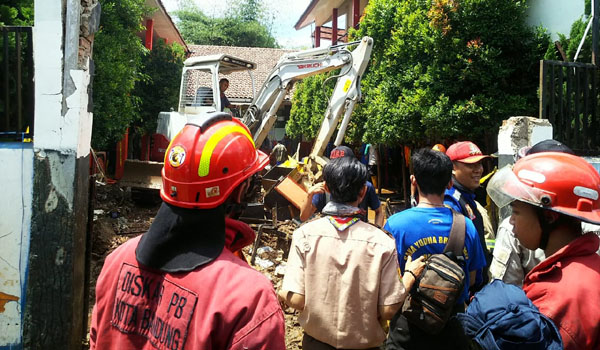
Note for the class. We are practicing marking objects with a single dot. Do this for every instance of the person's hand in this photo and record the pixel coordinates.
(281, 298)
(317, 188)
(415, 266)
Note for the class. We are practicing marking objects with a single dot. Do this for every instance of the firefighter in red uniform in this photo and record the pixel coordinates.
(179, 286)
(551, 193)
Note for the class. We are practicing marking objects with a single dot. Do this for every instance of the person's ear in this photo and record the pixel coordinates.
(325, 187)
(450, 184)
(362, 193)
(413, 180)
(240, 191)
(550, 216)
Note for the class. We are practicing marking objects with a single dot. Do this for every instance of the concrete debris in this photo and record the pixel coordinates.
(263, 263)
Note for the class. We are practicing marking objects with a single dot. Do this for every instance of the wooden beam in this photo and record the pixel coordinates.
(561, 51)
(595, 28)
(149, 33)
(334, 26)
(355, 13)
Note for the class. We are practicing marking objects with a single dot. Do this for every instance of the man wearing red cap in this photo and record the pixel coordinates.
(317, 197)
(467, 170)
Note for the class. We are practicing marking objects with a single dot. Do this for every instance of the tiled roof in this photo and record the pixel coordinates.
(163, 24)
(240, 85)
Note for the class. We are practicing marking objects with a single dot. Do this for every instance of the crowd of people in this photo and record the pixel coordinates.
(533, 284)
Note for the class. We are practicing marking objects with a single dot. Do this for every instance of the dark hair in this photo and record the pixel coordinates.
(432, 170)
(345, 177)
(223, 79)
(549, 146)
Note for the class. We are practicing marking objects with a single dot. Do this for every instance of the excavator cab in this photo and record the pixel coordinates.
(199, 92)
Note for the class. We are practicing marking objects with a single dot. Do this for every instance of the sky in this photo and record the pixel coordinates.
(285, 12)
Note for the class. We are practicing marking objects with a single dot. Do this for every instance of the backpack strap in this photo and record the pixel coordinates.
(456, 240)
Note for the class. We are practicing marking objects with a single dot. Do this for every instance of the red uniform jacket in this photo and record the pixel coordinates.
(566, 288)
(224, 304)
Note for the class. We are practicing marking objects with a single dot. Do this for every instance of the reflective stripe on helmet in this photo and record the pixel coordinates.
(209, 147)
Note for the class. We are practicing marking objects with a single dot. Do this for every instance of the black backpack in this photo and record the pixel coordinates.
(433, 296)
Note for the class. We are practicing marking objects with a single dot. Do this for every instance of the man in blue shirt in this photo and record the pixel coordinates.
(223, 86)
(317, 196)
(467, 170)
(423, 231)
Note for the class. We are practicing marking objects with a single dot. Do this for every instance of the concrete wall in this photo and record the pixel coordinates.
(45, 185)
(15, 225)
(555, 15)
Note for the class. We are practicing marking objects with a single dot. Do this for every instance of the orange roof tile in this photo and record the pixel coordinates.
(240, 85)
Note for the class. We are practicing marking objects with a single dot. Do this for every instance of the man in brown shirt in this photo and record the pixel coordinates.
(342, 273)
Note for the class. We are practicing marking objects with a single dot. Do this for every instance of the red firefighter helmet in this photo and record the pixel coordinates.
(439, 147)
(561, 182)
(207, 160)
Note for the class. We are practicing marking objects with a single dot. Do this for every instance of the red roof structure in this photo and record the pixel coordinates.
(162, 25)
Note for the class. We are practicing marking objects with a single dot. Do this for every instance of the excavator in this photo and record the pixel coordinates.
(200, 92)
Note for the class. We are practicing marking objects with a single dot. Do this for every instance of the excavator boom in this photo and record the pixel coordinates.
(261, 115)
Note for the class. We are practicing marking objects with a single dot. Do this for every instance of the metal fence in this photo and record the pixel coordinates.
(569, 100)
(16, 84)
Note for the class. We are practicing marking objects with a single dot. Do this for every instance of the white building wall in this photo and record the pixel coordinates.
(15, 228)
(555, 15)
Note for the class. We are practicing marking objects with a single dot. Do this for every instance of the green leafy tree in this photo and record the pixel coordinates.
(118, 53)
(446, 68)
(244, 25)
(159, 91)
(17, 13)
(309, 107)
(571, 43)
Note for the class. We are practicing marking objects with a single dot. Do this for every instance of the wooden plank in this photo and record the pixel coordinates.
(19, 82)
(293, 192)
(560, 115)
(563, 130)
(595, 138)
(6, 86)
(595, 28)
(575, 120)
(31, 84)
(584, 141)
(569, 64)
(561, 51)
(551, 93)
(542, 108)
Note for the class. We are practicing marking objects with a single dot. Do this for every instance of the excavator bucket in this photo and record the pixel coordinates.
(142, 174)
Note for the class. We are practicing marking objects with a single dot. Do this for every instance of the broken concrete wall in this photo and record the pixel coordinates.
(518, 132)
(515, 133)
(43, 232)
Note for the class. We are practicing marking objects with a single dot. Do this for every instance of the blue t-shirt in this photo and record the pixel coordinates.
(452, 200)
(224, 102)
(424, 231)
(370, 201)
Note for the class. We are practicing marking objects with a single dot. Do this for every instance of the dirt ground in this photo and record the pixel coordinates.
(117, 218)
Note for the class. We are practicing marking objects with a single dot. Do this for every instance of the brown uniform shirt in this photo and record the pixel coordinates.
(344, 276)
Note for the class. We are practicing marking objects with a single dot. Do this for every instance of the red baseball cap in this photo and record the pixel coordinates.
(340, 152)
(465, 152)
